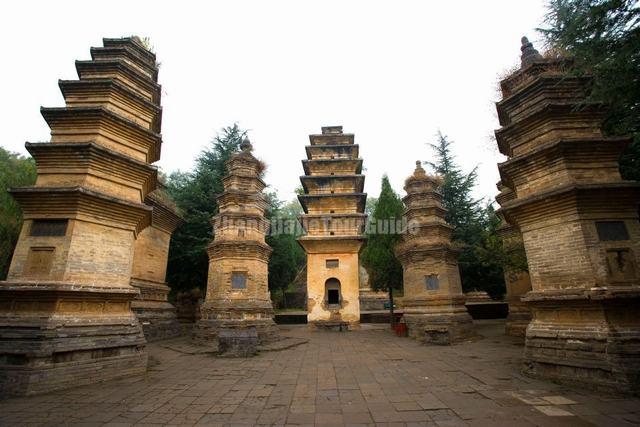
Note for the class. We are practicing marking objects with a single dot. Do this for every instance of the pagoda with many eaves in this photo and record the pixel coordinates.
(579, 224)
(65, 309)
(333, 219)
(237, 285)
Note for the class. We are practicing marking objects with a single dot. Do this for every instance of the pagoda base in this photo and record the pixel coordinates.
(57, 335)
(372, 301)
(587, 336)
(438, 319)
(159, 320)
(333, 325)
(232, 314)
(518, 319)
(157, 316)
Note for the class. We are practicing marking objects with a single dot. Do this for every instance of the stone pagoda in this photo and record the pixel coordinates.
(237, 285)
(151, 252)
(434, 305)
(333, 220)
(579, 224)
(65, 309)
(517, 283)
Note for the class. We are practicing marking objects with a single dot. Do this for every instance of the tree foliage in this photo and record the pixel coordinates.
(15, 171)
(603, 38)
(287, 257)
(385, 271)
(195, 193)
(474, 225)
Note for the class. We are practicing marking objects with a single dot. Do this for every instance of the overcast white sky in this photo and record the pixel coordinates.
(392, 72)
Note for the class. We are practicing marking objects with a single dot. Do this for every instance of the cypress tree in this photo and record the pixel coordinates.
(385, 271)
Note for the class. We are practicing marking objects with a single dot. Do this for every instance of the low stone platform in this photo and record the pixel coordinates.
(365, 377)
(186, 346)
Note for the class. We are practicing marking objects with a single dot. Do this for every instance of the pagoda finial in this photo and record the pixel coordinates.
(529, 53)
(245, 145)
(419, 169)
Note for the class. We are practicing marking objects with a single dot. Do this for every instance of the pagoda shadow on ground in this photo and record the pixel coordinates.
(360, 377)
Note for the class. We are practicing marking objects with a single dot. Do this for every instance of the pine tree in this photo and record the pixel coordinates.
(195, 194)
(378, 257)
(464, 213)
(15, 171)
(603, 38)
(287, 256)
(472, 222)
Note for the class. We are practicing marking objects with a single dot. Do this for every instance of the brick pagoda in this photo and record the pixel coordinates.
(579, 224)
(65, 309)
(434, 305)
(333, 219)
(155, 313)
(517, 283)
(237, 285)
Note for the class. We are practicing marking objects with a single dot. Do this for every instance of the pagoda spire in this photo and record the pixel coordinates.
(529, 53)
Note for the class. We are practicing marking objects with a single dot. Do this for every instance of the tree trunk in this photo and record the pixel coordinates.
(284, 298)
(393, 317)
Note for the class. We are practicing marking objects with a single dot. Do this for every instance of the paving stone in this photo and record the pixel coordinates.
(558, 400)
(399, 383)
(554, 411)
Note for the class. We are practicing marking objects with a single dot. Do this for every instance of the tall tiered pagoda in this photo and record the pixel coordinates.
(65, 309)
(333, 219)
(434, 305)
(237, 285)
(517, 282)
(579, 224)
(151, 252)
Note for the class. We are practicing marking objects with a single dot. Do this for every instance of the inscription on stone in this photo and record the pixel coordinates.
(238, 280)
(39, 261)
(432, 282)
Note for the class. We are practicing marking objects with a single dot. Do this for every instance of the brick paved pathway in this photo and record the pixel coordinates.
(369, 377)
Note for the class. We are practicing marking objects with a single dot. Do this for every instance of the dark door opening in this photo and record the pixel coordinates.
(333, 296)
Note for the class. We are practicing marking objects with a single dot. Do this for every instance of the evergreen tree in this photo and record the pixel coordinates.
(195, 194)
(472, 222)
(287, 256)
(378, 257)
(15, 171)
(603, 38)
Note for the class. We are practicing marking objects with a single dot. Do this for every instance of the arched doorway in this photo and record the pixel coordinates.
(333, 296)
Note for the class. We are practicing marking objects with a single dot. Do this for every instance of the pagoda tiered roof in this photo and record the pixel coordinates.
(427, 230)
(97, 165)
(559, 158)
(240, 224)
(333, 183)
(114, 95)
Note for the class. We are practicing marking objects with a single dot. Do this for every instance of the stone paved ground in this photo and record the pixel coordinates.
(357, 378)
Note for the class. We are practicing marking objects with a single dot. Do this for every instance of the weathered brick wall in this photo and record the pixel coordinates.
(557, 255)
(100, 255)
(415, 273)
(219, 279)
(151, 254)
(25, 242)
(349, 276)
